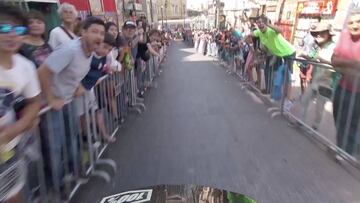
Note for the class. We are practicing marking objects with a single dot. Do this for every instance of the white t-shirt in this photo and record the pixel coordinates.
(59, 37)
(112, 57)
(19, 81)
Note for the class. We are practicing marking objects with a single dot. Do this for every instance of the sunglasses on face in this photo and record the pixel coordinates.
(319, 34)
(7, 28)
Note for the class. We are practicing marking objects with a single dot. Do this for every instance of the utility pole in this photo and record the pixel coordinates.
(166, 9)
(184, 12)
(162, 17)
(218, 13)
(151, 14)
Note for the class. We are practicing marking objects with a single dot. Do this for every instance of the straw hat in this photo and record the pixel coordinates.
(321, 27)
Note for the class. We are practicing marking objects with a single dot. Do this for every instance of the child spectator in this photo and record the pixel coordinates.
(98, 68)
(18, 78)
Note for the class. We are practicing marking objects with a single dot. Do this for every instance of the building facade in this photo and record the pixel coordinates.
(171, 9)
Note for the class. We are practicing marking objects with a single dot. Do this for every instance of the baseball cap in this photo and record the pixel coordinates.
(129, 24)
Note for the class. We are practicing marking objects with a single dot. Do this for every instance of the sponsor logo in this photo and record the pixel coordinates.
(135, 196)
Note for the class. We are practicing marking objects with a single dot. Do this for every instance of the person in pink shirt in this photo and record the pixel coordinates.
(346, 104)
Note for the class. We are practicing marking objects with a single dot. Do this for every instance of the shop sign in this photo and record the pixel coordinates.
(286, 28)
(325, 7)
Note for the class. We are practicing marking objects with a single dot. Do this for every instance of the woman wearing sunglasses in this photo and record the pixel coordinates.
(35, 48)
(18, 78)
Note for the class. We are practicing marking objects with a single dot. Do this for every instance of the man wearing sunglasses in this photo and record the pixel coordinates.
(18, 78)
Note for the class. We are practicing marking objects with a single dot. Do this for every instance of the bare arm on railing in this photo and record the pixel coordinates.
(27, 114)
(45, 76)
(26, 121)
(277, 29)
(152, 50)
(346, 63)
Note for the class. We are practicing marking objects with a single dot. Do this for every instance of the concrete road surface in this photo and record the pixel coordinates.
(201, 128)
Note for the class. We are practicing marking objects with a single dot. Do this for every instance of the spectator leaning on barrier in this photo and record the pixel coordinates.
(270, 36)
(60, 77)
(154, 42)
(35, 48)
(63, 70)
(18, 78)
(320, 86)
(100, 66)
(64, 33)
(346, 102)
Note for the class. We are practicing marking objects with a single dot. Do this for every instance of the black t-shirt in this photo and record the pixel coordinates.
(122, 41)
(142, 49)
(256, 40)
(36, 54)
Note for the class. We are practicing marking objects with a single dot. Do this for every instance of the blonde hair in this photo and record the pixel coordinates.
(64, 6)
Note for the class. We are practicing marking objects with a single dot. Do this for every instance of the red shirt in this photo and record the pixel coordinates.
(348, 49)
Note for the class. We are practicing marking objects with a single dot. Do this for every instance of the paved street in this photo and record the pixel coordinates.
(201, 127)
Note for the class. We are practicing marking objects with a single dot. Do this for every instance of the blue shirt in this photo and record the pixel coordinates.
(95, 73)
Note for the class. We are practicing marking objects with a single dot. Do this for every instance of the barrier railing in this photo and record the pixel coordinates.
(317, 97)
(63, 151)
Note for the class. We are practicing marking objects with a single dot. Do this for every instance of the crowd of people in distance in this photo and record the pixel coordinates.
(260, 54)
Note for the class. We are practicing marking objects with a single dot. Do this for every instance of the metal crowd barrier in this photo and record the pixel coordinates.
(325, 106)
(309, 96)
(63, 151)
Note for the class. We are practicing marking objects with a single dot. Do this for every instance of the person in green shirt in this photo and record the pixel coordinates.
(238, 198)
(270, 36)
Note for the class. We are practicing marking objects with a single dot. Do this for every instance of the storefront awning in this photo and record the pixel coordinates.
(81, 5)
(109, 5)
(43, 1)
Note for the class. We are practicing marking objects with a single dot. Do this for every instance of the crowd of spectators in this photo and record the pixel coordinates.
(326, 68)
(55, 71)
